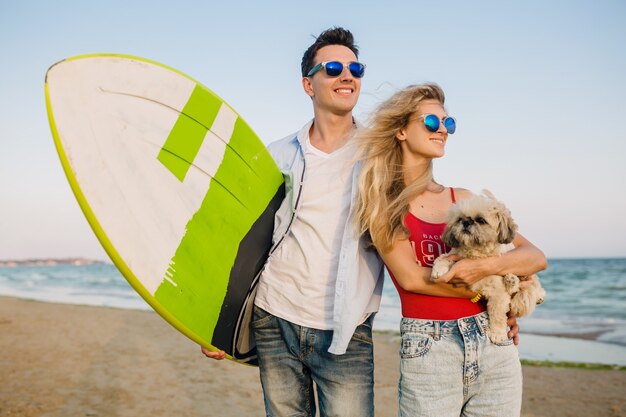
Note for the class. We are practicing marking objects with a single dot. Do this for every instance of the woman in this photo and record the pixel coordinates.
(449, 367)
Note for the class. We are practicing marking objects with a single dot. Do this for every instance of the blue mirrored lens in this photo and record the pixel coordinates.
(450, 124)
(357, 69)
(334, 68)
(431, 122)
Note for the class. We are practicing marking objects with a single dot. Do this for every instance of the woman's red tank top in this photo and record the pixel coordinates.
(428, 245)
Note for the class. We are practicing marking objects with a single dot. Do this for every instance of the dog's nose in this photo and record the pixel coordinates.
(467, 223)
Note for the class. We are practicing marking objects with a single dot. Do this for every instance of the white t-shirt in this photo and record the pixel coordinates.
(298, 283)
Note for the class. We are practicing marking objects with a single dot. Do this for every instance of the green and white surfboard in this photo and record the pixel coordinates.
(176, 186)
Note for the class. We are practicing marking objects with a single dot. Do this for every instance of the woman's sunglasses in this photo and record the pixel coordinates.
(335, 68)
(431, 122)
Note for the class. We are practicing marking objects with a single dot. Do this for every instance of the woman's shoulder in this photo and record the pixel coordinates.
(462, 193)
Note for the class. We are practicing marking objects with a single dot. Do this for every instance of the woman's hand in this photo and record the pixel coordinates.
(465, 272)
(514, 331)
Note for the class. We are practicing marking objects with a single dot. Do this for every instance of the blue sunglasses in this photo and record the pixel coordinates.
(431, 122)
(335, 68)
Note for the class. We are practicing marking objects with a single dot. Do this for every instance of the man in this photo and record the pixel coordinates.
(321, 285)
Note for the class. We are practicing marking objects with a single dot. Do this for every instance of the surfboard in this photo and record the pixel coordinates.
(177, 187)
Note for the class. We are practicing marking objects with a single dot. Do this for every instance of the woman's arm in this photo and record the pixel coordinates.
(525, 259)
(411, 277)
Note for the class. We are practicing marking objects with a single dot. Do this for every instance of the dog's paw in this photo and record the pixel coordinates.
(440, 268)
(497, 336)
(435, 274)
(511, 283)
(541, 296)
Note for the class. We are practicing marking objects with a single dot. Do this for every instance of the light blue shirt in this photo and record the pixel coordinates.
(360, 270)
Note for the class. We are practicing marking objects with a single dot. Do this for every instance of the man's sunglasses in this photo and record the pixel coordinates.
(335, 68)
(431, 122)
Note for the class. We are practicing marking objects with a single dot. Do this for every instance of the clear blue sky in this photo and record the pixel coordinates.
(538, 89)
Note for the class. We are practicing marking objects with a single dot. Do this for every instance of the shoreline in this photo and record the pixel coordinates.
(63, 360)
(12, 263)
(555, 347)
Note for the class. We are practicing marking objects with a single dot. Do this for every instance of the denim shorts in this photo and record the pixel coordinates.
(451, 368)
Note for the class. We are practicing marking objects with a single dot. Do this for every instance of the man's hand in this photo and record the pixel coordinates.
(514, 332)
(214, 354)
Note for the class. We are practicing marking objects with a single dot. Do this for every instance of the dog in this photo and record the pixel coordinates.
(479, 227)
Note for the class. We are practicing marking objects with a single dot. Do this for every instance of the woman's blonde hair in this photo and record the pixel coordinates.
(383, 197)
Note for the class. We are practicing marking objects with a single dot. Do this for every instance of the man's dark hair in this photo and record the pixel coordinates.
(332, 36)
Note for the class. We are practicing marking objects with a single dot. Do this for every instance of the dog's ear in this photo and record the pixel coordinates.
(488, 194)
(449, 238)
(507, 228)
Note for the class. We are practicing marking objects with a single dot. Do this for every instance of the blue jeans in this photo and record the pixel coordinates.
(292, 357)
(451, 369)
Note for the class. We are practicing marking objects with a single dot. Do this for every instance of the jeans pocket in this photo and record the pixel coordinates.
(363, 332)
(260, 318)
(507, 342)
(415, 345)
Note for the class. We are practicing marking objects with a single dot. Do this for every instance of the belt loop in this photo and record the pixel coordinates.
(437, 335)
(460, 324)
(481, 323)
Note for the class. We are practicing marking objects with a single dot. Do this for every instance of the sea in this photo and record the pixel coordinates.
(582, 320)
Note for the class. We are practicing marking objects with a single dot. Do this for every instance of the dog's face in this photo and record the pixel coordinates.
(479, 221)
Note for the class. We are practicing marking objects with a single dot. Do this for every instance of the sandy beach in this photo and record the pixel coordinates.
(66, 360)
